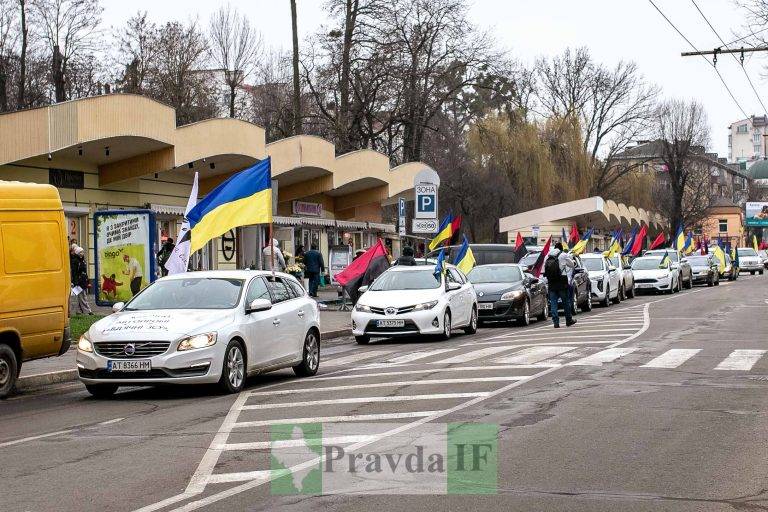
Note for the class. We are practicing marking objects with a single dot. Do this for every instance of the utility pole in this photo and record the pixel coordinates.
(718, 51)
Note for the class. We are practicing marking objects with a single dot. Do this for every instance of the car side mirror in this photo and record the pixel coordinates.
(611, 269)
(118, 307)
(257, 305)
(452, 287)
(362, 290)
(578, 270)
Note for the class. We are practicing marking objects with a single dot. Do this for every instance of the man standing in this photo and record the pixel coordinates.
(134, 273)
(556, 270)
(406, 258)
(163, 255)
(267, 257)
(314, 265)
(79, 271)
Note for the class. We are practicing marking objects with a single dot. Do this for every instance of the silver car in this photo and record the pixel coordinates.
(203, 328)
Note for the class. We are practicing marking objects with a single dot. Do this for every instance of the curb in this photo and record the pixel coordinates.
(340, 333)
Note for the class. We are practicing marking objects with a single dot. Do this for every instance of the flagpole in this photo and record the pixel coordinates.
(272, 251)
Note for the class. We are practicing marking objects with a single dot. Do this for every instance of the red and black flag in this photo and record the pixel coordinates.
(539, 265)
(520, 249)
(455, 228)
(574, 237)
(660, 240)
(363, 270)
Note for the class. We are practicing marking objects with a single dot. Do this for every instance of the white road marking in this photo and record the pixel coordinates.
(672, 358)
(359, 356)
(430, 382)
(423, 369)
(532, 355)
(292, 443)
(604, 356)
(475, 354)
(407, 358)
(363, 400)
(562, 337)
(337, 419)
(573, 329)
(741, 360)
(58, 433)
(217, 478)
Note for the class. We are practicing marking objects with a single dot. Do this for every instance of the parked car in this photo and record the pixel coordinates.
(729, 271)
(605, 279)
(485, 254)
(506, 292)
(203, 327)
(652, 276)
(749, 261)
(704, 268)
(763, 258)
(580, 285)
(627, 277)
(408, 301)
(679, 264)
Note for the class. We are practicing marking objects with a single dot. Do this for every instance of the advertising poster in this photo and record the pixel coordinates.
(757, 214)
(124, 254)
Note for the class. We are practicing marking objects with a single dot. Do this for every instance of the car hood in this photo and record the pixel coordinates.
(650, 274)
(163, 324)
(492, 291)
(399, 298)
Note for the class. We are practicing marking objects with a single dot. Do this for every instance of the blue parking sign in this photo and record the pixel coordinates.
(426, 201)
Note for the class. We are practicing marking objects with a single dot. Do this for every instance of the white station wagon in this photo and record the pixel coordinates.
(203, 327)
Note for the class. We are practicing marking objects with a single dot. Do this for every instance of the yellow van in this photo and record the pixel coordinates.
(34, 277)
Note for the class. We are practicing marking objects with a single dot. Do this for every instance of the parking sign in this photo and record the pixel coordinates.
(426, 201)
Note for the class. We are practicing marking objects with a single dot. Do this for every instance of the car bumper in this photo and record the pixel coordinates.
(596, 292)
(750, 267)
(658, 286)
(200, 366)
(701, 278)
(415, 323)
(502, 310)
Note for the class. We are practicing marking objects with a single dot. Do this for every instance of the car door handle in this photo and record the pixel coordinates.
(276, 321)
(300, 313)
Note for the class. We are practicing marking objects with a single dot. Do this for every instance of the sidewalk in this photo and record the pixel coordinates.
(53, 370)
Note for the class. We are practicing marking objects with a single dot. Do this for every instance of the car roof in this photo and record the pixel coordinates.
(422, 266)
(225, 274)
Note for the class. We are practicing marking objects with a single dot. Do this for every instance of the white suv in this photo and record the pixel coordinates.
(604, 278)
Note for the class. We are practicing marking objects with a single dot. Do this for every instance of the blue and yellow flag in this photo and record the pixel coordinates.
(689, 246)
(679, 241)
(564, 239)
(614, 246)
(631, 242)
(581, 245)
(464, 260)
(665, 261)
(735, 256)
(755, 246)
(244, 199)
(439, 267)
(444, 232)
(720, 255)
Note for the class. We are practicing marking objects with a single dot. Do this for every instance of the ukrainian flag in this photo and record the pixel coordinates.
(464, 260)
(679, 239)
(444, 232)
(244, 199)
(665, 261)
(439, 266)
(689, 246)
(581, 245)
(614, 246)
(564, 240)
(755, 246)
(720, 255)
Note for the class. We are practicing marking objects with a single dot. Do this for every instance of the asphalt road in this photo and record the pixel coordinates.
(659, 403)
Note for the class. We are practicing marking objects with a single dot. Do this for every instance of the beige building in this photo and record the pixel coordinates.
(746, 139)
(125, 151)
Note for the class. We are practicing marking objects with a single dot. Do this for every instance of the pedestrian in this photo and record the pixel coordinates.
(315, 265)
(407, 257)
(79, 273)
(134, 273)
(267, 257)
(556, 269)
(164, 254)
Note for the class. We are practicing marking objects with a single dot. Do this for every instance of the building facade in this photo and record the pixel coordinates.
(746, 139)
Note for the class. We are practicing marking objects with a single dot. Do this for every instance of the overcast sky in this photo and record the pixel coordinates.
(611, 29)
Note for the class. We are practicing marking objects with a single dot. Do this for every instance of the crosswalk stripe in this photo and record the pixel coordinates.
(336, 419)
(475, 354)
(533, 355)
(604, 356)
(407, 358)
(292, 443)
(563, 337)
(740, 360)
(218, 478)
(422, 369)
(363, 400)
(672, 358)
(430, 382)
(575, 329)
(368, 354)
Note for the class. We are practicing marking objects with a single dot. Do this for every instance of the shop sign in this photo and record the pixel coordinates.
(307, 209)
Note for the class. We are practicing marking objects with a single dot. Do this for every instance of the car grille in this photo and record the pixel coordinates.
(141, 348)
(154, 373)
(645, 280)
(409, 326)
(400, 311)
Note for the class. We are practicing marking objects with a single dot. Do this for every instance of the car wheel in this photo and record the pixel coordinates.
(310, 360)
(717, 283)
(607, 301)
(544, 312)
(631, 292)
(446, 326)
(587, 303)
(233, 369)
(9, 370)
(102, 390)
(472, 327)
(751, 272)
(689, 283)
(526, 318)
(617, 300)
(363, 340)
(760, 272)
(711, 281)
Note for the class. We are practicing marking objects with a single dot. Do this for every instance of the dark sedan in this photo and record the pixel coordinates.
(505, 293)
(704, 270)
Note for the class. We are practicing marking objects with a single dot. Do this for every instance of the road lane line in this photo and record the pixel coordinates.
(672, 358)
(574, 329)
(532, 355)
(564, 338)
(475, 354)
(742, 360)
(337, 419)
(292, 443)
(59, 433)
(604, 356)
(218, 478)
(430, 370)
(407, 358)
(368, 354)
(364, 400)
(389, 384)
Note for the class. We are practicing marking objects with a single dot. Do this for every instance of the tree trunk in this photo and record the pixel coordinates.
(232, 92)
(296, 85)
(22, 100)
(57, 72)
(342, 117)
(3, 85)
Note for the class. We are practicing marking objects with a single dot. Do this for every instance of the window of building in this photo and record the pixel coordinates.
(756, 137)
(730, 140)
(741, 128)
(756, 147)
(723, 225)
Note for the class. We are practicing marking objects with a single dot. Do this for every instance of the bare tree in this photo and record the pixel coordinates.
(24, 33)
(69, 27)
(296, 78)
(8, 35)
(235, 47)
(137, 48)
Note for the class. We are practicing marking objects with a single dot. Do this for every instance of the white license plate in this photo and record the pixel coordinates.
(644, 285)
(138, 365)
(485, 305)
(390, 323)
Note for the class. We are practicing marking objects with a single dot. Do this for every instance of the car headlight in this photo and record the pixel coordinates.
(512, 295)
(197, 341)
(424, 306)
(363, 308)
(84, 343)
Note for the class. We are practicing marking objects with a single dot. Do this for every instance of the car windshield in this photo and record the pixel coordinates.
(671, 253)
(190, 293)
(698, 261)
(746, 251)
(495, 274)
(593, 263)
(405, 280)
(646, 264)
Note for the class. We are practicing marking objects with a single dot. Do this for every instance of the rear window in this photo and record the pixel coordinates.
(31, 247)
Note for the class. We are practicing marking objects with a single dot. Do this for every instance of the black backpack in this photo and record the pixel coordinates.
(552, 270)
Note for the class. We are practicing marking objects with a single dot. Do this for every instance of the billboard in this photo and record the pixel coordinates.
(756, 215)
(125, 249)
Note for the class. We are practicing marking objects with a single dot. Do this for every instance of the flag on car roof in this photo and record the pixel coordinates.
(614, 246)
(679, 241)
(440, 265)
(243, 199)
(455, 229)
(464, 260)
(520, 250)
(735, 256)
(665, 261)
(630, 243)
(581, 245)
(363, 270)
(637, 246)
(539, 265)
(689, 246)
(444, 232)
(754, 243)
(575, 237)
(659, 241)
(720, 255)
(178, 261)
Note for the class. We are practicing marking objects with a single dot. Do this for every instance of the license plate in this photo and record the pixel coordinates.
(390, 323)
(644, 285)
(138, 365)
(485, 305)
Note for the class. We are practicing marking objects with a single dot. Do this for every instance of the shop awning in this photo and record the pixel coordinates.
(167, 209)
(303, 221)
(386, 228)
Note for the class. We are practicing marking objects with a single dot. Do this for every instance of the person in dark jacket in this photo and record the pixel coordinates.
(406, 258)
(314, 266)
(79, 270)
(163, 255)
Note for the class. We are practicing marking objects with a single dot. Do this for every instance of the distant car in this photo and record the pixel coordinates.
(679, 264)
(580, 285)
(485, 254)
(650, 275)
(409, 301)
(604, 277)
(729, 271)
(705, 269)
(627, 277)
(200, 328)
(763, 258)
(506, 292)
(749, 261)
